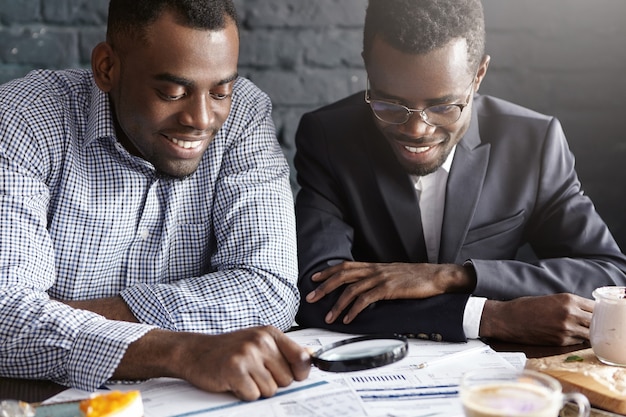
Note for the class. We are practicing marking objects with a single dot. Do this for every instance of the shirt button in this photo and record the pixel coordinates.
(145, 233)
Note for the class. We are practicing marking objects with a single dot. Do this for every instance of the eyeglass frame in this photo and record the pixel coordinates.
(421, 112)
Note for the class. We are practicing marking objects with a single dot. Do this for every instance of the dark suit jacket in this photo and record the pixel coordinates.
(512, 182)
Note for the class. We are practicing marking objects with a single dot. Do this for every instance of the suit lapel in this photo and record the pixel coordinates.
(465, 183)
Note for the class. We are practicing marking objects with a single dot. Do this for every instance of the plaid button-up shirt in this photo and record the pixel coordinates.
(81, 218)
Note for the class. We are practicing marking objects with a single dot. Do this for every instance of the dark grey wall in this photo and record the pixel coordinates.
(562, 57)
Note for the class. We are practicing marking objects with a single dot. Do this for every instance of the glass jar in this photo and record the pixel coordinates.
(607, 332)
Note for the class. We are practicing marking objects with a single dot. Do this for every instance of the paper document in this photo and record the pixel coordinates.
(405, 388)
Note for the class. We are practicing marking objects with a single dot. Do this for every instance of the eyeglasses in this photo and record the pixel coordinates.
(397, 114)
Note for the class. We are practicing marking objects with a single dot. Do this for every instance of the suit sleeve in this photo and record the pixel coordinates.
(575, 251)
(325, 237)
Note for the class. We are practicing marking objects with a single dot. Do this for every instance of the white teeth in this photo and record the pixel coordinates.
(413, 149)
(185, 143)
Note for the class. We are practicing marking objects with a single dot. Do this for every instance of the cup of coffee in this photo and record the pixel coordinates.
(513, 393)
(607, 332)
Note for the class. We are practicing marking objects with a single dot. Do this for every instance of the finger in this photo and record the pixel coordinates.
(268, 366)
(340, 305)
(353, 293)
(279, 368)
(582, 312)
(331, 270)
(586, 319)
(333, 282)
(281, 373)
(246, 389)
(587, 305)
(297, 357)
(266, 383)
(344, 300)
(578, 329)
(583, 336)
(320, 276)
(580, 335)
(361, 303)
(324, 288)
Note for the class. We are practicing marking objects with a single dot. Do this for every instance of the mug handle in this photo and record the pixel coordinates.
(584, 408)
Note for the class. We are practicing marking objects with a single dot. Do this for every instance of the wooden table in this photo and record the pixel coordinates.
(533, 351)
(31, 391)
(37, 391)
(542, 352)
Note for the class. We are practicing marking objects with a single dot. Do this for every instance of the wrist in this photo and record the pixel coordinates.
(158, 353)
(461, 278)
(470, 276)
(492, 322)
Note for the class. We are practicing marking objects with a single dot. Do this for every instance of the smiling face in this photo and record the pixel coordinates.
(442, 76)
(171, 92)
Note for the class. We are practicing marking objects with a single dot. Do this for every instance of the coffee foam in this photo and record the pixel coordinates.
(510, 399)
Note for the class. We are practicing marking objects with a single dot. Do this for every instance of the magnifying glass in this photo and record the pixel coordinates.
(359, 353)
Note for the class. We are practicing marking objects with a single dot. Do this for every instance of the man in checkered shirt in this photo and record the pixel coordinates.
(147, 223)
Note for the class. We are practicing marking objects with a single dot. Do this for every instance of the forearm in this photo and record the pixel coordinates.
(218, 302)
(248, 277)
(439, 317)
(113, 308)
(249, 363)
(252, 279)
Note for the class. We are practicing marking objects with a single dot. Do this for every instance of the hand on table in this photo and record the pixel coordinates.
(367, 283)
(558, 319)
(250, 363)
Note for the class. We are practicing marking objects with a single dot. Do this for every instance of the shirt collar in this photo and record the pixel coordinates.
(445, 167)
(448, 163)
(100, 118)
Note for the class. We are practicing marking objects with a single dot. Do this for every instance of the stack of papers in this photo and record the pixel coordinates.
(405, 388)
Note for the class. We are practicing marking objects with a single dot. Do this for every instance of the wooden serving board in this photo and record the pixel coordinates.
(604, 385)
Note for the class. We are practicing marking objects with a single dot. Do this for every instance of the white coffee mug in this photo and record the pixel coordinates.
(497, 392)
(607, 332)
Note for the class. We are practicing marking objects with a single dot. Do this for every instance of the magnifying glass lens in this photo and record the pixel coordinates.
(361, 349)
(361, 353)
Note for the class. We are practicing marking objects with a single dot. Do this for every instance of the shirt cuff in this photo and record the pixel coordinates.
(471, 316)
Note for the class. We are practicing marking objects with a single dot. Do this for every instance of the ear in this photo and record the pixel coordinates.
(105, 66)
(482, 70)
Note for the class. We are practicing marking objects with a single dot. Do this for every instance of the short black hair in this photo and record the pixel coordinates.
(421, 26)
(129, 18)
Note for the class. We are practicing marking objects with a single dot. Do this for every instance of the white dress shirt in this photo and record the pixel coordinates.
(431, 194)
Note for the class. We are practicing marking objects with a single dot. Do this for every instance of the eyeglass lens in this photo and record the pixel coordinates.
(398, 114)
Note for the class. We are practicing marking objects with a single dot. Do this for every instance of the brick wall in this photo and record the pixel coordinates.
(562, 57)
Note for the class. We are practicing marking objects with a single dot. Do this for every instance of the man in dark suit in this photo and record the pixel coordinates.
(418, 194)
